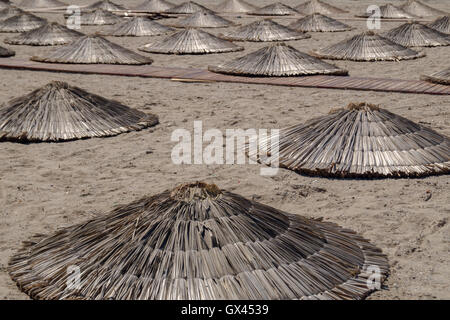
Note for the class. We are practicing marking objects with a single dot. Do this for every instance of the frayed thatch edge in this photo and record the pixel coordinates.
(340, 72)
(420, 54)
(238, 48)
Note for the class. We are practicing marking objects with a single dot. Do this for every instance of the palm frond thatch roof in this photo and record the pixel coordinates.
(319, 23)
(420, 9)
(441, 24)
(21, 23)
(93, 50)
(191, 41)
(274, 9)
(198, 242)
(50, 34)
(362, 141)
(234, 6)
(367, 46)
(202, 19)
(265, 30)
(58, 112)
(277, 60)
(10, 12)
(99, 17)
(442, 77)
(390, 11)
(105, 5)
(154, 6)
(415, 34)
(4, 53)
(188, 7)
(137, 27)
(317, 6)
(37, 4)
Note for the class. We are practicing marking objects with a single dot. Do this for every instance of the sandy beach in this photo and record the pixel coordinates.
(47, 186)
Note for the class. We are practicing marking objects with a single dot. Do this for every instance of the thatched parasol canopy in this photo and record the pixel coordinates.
(154, 6)
(277, 60)
(420, 9)
(105, 5)
(22, 23)
(138, 27)
(275, 9)
(189, 7)
(390, 11)
(202, 19)
(442, 77)
(4, 53)
(51, 34)
(38, 4)
(415, 34)
(441, 24)
(10, 12)
(93, 50)
(99, 17)
(319, 23)
(197, 242)
(265, 30)
(362, 141)
(191, 41)
(317, 6)
(367, 46)
(234, 6)
(59, 112)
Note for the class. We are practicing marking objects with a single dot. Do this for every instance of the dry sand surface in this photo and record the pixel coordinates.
(44, 187)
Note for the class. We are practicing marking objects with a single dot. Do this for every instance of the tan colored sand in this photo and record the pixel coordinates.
(44, 187)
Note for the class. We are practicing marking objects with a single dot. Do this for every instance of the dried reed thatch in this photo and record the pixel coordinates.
(154, 6)
(9, 12)
(367, 46)
(362, 141)
(191, 41)
(38, 4)
(442, 77)
(317, 6)
(58, 112)
(198, 242)
(99, 17)
(4, 53)
(390, 11)
(22, 23)
(415, 34)
(202, 19)
(420, 9)
(189, 7)
(235, 6)
(138, 27)
(105, 5)
(277, 60)
(317, 22)
(93, 50)
(51, 34)
(265, 30)
(441, 24)
(275, 9)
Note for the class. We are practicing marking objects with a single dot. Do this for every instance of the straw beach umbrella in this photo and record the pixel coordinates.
(420, 9)
(189, 7)
(93, 50)
(138, 27)
(265, 30)
(235, 6)
(277, 60)
(99, 17)
(319, 23)
(415, 34)
(191, 41)
(4, 53)
(442, 77)
(58, 112)
(105, 5)
(10, 12)
(50, 34)
(367, 46)
(203, 19)
(154, 6)
(317, 6)
(361, 141)
(22, 23)
(390, 11)
(197, 242)
(275, 9)
(38, 4)
(441, 24)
